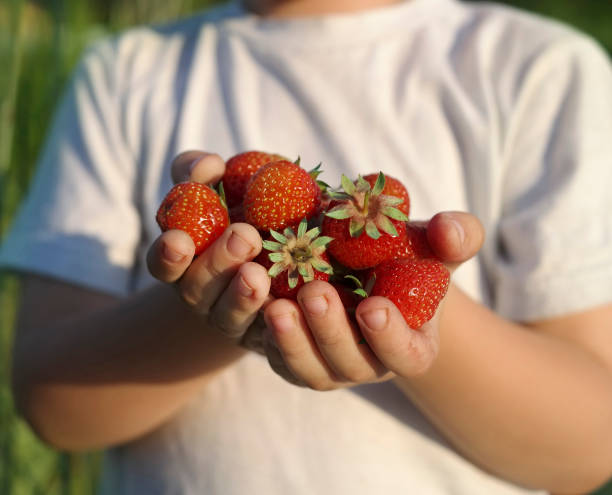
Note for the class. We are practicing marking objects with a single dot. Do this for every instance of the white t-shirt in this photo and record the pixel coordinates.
(474, 107)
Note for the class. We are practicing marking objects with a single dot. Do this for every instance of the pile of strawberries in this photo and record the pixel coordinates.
(357, 237)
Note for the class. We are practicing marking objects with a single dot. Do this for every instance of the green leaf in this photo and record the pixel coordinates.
(276, 269)
(338, 195)
(276, 257)
(302, 269)
(309, 277)
(315, 172)
(387, 226)
(354, 279)
(379, 185)
(370, 284)
(313, 233)
(222, 195)
(392, 200)
(322, 266)
(394, 213)
(278, 236)
(293, 279)
(360, 292)
(339, 212)
(356, 227)
(347, 185)
(289, 232)
(302, 227)
(272, 246)
(322, 241)
(371, 230)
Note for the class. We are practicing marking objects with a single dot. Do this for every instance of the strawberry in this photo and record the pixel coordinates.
(416, 287)
(414, 243)
(196, 209)
(354, 220)
(393, 187)
(294, 259)
(238, 171)
(280, 194)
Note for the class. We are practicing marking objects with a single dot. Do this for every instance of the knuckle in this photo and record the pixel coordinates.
(327, 337)
(192, 297)
(224, 324)
(189, 297)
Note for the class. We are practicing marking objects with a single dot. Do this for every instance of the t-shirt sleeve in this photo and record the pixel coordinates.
(555, 234)
(79, 222)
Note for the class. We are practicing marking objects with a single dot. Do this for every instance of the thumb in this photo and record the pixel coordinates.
(455, 237)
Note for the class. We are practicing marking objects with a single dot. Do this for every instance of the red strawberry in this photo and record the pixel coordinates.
(354, 220)
(414, 243)
(238, 171)
(196, 209)
(295, 259)
(416, 287)
(362, 251)
(393, 187)
(280, 194)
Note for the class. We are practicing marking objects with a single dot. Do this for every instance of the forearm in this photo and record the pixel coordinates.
(105, 377)
(529, 407)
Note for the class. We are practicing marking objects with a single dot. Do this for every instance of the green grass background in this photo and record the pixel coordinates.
(40, 42)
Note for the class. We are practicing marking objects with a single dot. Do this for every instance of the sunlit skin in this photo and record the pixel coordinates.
(297, 8)
(530, 403)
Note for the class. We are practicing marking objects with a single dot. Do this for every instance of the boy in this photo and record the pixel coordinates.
(476, 108)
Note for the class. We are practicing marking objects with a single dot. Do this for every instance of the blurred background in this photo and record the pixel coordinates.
(40, 42)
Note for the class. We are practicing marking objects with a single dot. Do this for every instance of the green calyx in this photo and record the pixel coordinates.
(360, 290)
(366, 207)
(300, 254)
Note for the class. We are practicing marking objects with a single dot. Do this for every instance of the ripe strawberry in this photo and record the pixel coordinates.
(416, 287)
(280, 194)
(393, 187)
(294, 259)
(238, 171)
(354, 220)
(196, 209)
(414, 243)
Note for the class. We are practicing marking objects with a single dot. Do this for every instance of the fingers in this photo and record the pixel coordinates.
(296, 346)
(197, 166)
(210, 273)
(238, 305)
(455, 237)
(404, 351)
(170, 255)
(317, 342)
(337, 339)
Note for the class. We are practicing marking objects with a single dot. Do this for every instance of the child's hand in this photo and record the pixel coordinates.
(313, 342)
(221, 284)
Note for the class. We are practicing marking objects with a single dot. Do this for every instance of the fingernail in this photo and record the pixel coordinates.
(284, 322)
(316, 305)
(172, 255)
(237, 246)
(459, 232)
(375, 319)
(245, 289)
